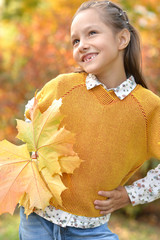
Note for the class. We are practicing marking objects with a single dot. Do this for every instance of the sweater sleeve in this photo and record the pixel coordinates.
(153, 133)
(145, 190)
(45, 96)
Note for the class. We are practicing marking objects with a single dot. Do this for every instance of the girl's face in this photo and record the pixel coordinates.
(95, 45)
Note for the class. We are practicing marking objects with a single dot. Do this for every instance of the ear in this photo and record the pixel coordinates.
(123, 39)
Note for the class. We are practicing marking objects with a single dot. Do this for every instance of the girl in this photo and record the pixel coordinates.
(114, 118)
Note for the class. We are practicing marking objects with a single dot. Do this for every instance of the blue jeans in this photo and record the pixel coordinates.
(37, 228)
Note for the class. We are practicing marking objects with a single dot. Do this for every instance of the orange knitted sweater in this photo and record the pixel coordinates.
(114, 137)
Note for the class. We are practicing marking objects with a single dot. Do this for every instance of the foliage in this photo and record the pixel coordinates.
(36, 182)
(38, 51)
(145, 16)
(35, 47)
(16, 9)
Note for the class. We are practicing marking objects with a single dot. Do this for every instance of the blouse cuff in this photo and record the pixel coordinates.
(133, 195)
(145, 190)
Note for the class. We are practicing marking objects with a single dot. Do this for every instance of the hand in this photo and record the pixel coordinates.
(34, 155)
(116, 199)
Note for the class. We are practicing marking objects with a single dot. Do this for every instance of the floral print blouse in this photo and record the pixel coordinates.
(142, 191)
(146, 189)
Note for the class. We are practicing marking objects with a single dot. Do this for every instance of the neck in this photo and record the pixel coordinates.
(114, 75)
(112, 80)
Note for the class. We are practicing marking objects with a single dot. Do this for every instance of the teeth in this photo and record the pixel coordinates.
(90, 58)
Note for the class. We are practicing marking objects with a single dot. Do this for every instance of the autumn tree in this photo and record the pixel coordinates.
(36, 47)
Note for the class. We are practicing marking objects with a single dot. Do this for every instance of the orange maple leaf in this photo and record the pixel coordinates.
(33, 183)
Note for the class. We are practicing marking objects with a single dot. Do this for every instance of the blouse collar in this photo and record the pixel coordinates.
(122, 91)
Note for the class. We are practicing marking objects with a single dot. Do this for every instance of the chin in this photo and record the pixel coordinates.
(91, 71)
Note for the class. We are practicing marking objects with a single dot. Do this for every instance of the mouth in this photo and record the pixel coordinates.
(89, 57)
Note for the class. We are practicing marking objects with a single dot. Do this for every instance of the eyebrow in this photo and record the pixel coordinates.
(85, 29)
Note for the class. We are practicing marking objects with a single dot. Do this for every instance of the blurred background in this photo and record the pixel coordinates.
(34, 48)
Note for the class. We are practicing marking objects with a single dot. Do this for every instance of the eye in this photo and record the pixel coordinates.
(75, 41)
(92, 33)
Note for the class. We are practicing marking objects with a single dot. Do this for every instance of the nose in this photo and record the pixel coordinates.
(83, 46)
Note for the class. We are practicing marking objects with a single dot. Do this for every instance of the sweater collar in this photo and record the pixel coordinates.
(122, 91)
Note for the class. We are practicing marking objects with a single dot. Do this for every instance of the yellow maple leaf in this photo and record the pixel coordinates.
(19, 174)
(34, 183)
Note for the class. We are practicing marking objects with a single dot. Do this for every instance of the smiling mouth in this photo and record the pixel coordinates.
(89, 57)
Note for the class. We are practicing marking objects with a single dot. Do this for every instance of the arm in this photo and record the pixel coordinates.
(144, 190)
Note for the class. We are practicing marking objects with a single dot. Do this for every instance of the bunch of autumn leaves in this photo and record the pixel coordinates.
(36, 182)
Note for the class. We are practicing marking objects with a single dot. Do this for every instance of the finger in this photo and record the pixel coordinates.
(107, 194)
(102, 208)
(107, 212)
(33, 155)
(102, 202)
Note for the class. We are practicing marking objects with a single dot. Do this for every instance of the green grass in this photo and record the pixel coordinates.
(127, 229)
(9, 227)
(130, 229)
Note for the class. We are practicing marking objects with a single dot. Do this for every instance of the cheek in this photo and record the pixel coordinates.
(75, 55)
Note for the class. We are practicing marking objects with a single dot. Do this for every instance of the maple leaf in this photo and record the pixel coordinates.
(19, 174)
(34, 183)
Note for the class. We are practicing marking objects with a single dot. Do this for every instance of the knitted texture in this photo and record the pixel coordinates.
(114, 137)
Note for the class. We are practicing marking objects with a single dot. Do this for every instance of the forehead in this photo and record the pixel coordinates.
(87, 17)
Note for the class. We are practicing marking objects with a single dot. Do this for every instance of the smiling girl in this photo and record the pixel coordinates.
(97, 49)
(114, 118)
